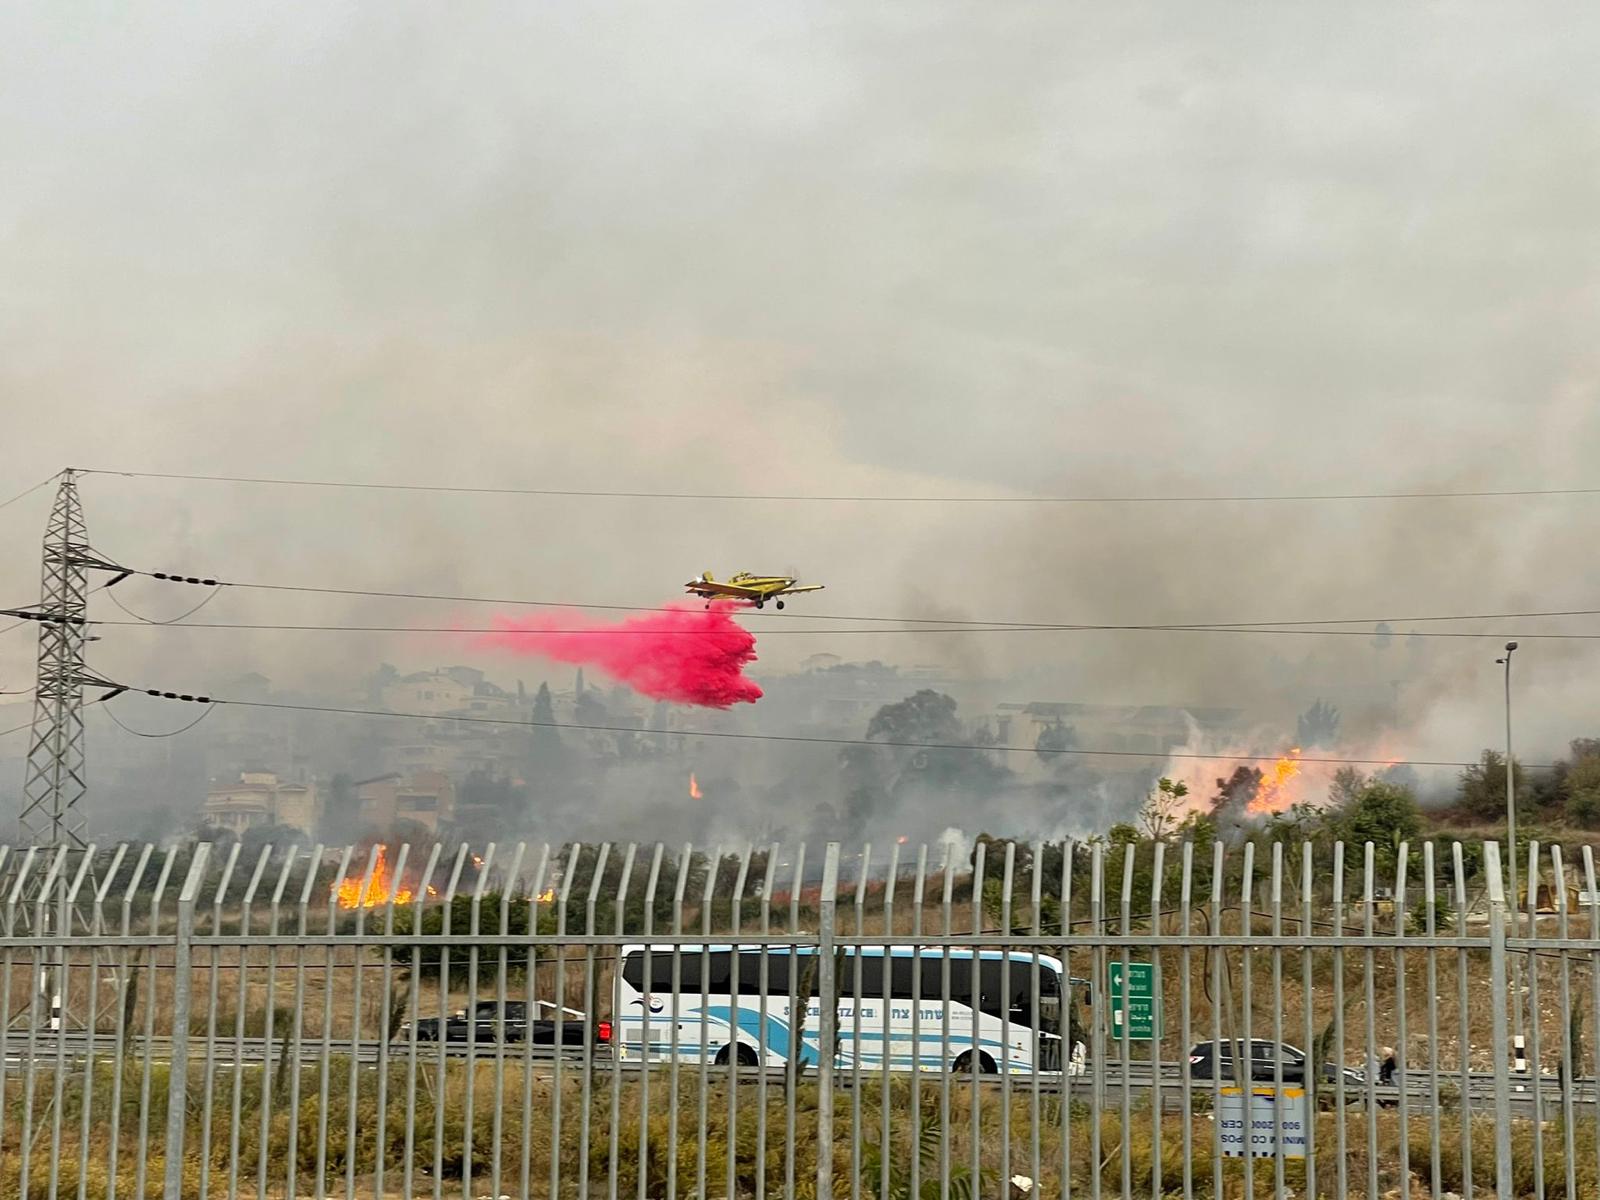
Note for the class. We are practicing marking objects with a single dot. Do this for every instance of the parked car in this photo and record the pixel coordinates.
(485, 1025)
(1264, 1064)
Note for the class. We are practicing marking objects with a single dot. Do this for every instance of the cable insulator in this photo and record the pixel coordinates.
(202, 699)
(151, 692)
(186, 697)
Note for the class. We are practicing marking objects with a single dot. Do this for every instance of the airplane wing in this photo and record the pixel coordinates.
(708, 587)
(809, 587)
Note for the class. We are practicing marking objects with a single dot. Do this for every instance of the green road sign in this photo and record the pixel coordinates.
(1140, 1005)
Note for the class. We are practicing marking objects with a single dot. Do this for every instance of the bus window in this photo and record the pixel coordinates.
(661, 971)
(777, 972)
(720, 978)
(871, 976)
(933, 975)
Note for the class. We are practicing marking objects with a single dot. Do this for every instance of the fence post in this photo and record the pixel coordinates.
(182, 986)
(828, 1038)
(1497, 985)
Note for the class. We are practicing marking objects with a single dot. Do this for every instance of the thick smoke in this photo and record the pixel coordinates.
(1132, 252)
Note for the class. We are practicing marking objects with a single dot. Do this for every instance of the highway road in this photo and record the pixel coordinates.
(49, 1048)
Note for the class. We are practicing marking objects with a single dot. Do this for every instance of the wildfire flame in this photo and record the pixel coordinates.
(694, 788)
(378, 890)
(547, 896)
(1272, 795)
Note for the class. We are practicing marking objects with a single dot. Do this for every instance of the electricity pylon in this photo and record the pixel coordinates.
(55, 780)
(54, 784)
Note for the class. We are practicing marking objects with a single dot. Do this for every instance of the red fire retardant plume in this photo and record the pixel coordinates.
(679, 654)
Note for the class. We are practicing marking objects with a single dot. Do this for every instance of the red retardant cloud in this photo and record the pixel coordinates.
(679, 654)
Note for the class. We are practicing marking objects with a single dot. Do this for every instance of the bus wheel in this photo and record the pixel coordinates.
(746, 1055)
(963, 1064)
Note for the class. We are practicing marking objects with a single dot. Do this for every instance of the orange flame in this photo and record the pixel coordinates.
(378, 891)
(1273, 793)
(547, 896)
(694, 788)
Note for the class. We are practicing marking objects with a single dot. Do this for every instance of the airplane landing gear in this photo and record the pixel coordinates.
(780, 603)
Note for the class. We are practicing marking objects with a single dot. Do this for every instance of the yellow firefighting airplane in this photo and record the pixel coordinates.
(757, 589)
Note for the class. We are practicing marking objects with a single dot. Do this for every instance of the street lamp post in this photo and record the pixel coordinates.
(1511, 855)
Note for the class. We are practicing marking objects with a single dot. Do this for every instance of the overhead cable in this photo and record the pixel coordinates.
(1493, 635)
(851, 498)
(520, 602)
(26, 492)
(143, 620)
(806, 739)
(139, 733)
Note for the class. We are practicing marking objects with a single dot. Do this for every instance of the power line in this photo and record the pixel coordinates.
(519, 602)
(30, 491)
(179, 624)
(139, 733)
(862, 498)
(804, 738)
(143, 620)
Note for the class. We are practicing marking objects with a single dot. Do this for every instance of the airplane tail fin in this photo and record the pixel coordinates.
(705, 577)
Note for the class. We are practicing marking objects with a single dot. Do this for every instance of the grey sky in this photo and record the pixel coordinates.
(945, 248)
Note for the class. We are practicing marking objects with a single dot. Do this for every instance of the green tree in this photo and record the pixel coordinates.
(548, 759)
(1234, 793)
(926, 716)
(1583, 792)
(1482, 792)
(1345, 786)
(920, 725)
(427, 957)
(1318, 725)
(1162, 807)
(994, 859)
(1382, 814)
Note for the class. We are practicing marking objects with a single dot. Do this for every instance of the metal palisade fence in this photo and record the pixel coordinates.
(1014, 1020)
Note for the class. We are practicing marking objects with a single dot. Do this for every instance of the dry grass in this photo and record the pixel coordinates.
(619, 1142)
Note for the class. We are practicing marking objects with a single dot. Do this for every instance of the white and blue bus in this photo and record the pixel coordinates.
(716, 1003)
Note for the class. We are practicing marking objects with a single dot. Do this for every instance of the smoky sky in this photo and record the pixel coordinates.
(934, 249)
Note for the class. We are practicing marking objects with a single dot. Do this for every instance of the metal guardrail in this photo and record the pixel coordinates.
(187, 1023)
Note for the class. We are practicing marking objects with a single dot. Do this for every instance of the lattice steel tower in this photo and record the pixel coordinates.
(54, 784)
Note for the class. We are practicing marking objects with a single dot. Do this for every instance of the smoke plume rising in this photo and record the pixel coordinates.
(678, 654)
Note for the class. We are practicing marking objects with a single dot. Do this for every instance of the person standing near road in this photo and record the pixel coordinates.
(1386, 1068)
